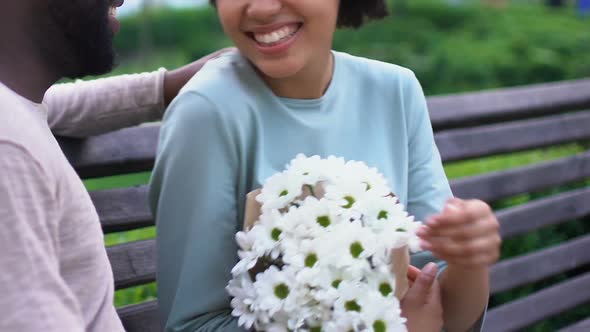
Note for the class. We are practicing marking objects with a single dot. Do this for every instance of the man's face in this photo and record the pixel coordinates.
(78, 37)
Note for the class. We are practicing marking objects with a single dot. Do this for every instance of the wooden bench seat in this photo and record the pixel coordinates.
(467, 126)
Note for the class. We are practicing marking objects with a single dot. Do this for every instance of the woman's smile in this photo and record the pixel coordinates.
(275, 39)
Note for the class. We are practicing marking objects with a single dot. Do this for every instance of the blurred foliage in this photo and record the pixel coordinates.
(451, 48)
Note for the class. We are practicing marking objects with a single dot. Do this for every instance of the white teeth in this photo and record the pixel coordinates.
(113, 11)
(275, 36)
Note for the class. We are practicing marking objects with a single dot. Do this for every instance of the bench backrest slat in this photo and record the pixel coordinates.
(466, 143)
(551, 301)
(133, 263)
(491, 187)
(522, 270)
(123, 209)
(544, 212)
(125, 151)
(581, 326)
(141, 317)
(472, 108)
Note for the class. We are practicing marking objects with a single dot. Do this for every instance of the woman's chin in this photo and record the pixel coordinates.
(278, 70)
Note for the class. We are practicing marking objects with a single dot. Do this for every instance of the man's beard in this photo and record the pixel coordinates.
(76, 39)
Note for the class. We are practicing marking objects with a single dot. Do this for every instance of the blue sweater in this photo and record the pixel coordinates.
(227, 132)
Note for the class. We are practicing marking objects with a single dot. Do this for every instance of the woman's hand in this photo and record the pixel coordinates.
(466, 234)
(421, 305)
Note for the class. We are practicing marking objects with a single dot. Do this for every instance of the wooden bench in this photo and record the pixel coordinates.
(467, 126)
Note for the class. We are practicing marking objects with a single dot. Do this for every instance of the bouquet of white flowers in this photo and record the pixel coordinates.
(321, 254)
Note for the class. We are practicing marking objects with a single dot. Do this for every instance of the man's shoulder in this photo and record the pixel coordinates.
(17, 117)
(24, 131)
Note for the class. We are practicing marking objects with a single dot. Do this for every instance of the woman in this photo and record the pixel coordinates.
(248, 113)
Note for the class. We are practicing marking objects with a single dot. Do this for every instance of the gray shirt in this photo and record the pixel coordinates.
(55, 274)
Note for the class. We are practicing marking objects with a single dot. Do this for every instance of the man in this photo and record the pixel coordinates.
(55, 272)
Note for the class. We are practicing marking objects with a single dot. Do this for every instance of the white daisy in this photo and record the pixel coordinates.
(245, 240)
(350, 298)
(310, 169)
(346, 192)
(242, 291)
(343, 322)
(381, 314)
(275, 290)
(248, 260)
(313, 217)
(377, 211)
(400, 232)
(381, 280)
(370, 177)
(300, 254)
(348, 245)
(279, 191)
(268, 233)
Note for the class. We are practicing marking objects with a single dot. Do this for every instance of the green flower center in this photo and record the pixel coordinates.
(385, 289)
(324, 221)
(382, 215)
(310, 260)
(379, 326)
(284, 193)
(316, 329)
(336, 283)
(356, 249)
(352, 306)
(401, 230)
(276, 233)
(349, 202)
(282, 291)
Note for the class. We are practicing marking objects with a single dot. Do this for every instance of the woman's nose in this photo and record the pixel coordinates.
(264, 10)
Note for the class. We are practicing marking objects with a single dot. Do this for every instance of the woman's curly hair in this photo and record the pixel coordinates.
(353, 13)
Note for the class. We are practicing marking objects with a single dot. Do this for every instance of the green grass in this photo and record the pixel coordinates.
(119, 181)
(466, 168)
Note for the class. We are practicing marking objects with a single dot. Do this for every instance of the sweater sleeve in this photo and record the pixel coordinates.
(428, 187)
(193, 198)
(86, 108)
(35, 297)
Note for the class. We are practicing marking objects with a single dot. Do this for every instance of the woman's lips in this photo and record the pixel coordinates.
(276, 40)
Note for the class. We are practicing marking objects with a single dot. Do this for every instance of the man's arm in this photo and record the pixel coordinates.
(34, 297)
(86, 108)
